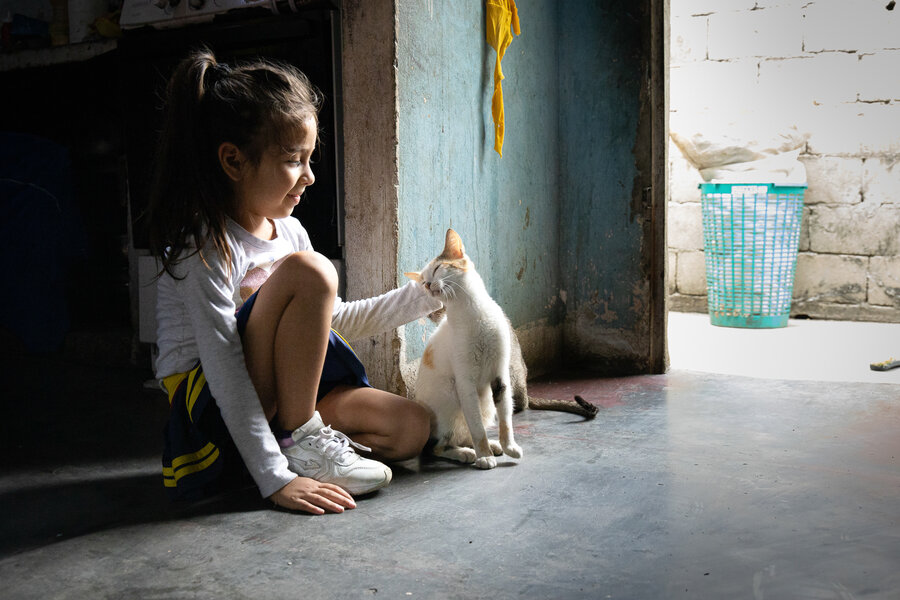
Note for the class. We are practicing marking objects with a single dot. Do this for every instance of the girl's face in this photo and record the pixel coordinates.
(272, 188)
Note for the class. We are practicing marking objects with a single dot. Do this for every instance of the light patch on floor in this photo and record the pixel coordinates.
(804, 350)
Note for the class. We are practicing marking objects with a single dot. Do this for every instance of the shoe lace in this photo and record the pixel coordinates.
(335, 444)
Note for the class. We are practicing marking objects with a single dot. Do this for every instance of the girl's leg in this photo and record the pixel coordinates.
(395, 428)
(287, 336)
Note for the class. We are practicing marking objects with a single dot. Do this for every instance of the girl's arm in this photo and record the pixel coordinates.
(363, 318)
(207, 294)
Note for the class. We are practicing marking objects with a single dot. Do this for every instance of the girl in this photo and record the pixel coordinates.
(245, 308)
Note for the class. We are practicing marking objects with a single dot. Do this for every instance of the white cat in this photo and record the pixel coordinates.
(465, 368)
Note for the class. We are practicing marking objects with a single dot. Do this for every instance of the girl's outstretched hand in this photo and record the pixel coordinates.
(312, 496)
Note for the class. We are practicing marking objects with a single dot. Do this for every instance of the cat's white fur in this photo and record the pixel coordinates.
(468, 353)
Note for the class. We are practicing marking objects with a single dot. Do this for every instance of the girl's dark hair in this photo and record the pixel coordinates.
(251, 105)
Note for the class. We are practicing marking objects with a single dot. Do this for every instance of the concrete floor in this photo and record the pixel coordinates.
(691, 485)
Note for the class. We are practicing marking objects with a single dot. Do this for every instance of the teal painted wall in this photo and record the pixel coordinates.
(600, 78)
(506, 209)
(550, 226)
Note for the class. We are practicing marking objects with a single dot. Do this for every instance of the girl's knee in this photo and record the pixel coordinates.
(311, 272)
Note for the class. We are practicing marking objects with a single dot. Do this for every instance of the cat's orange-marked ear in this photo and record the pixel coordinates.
(453, 246)
(463, 264)
(414, 276)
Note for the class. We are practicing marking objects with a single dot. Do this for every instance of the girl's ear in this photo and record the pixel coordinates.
(232, 160)
(415, 276)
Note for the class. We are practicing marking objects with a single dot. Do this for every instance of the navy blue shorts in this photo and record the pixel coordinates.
(199, 457)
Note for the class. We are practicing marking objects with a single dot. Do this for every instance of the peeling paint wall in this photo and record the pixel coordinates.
(506, 209)
(602, 68)
(558, 226)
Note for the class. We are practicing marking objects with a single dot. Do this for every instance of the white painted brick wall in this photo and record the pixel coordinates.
(767, 32)
(696, 87)
(704, 7)
(878, 75)
(884, 281)
(832, 68)
(803, 246)
(881, 181)
(691, 275)
(880, 126)
(685, 226)
(833, 180)
(684, 179)
(811, 80)
(830, 278)
(687, 37)
(672, 267)
(834, 129)
(857, 26)
(864, 229)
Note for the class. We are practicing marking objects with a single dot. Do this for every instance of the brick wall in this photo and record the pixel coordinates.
(832, 68)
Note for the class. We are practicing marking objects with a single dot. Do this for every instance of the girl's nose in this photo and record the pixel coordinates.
(308, 177)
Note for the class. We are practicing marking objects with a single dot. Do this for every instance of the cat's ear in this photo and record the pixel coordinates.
(417, 277)
(453, 246)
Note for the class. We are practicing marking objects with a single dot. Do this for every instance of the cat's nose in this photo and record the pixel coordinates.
(428, 286)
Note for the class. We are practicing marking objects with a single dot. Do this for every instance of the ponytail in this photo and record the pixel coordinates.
(208, 103)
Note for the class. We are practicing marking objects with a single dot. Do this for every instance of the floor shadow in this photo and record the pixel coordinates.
(52, 512)
(59, 412)
(80, 447)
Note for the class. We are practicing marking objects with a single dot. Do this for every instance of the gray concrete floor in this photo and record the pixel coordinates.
(692, 484)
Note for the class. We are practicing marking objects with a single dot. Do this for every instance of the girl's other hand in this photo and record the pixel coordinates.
(312, 496)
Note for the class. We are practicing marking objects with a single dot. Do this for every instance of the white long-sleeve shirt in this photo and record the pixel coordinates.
(195, 315)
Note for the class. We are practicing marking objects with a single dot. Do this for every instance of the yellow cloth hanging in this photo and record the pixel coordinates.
(500, 16)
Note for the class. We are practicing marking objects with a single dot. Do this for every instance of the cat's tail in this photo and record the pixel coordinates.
(578, 406)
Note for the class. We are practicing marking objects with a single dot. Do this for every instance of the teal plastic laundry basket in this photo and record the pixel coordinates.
(750, 238)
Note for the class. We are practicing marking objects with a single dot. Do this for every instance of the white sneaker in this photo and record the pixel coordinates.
(326, 455)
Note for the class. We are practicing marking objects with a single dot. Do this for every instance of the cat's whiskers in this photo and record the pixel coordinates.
(456, 286)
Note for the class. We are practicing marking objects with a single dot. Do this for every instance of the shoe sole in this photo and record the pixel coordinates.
(368, 489)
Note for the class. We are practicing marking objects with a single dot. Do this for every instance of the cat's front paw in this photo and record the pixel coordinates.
(485, 462)
(513, 449)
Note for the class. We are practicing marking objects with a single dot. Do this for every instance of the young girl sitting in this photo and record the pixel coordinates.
(248, 313)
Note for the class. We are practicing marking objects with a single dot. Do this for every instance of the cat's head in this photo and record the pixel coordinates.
(444, 276)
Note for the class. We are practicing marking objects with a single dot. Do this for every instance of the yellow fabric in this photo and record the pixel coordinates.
(501, 15)
(195, 387)
(196, 381)
(171, 383)
(189, 463)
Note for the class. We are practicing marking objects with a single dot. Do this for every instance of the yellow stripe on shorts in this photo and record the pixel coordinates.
(195, 386)
(189, 463)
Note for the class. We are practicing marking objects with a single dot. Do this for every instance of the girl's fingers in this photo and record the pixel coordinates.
(313, 497)
(339, 494)
(307, 507)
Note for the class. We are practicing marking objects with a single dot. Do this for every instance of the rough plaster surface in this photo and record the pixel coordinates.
(370, 170)
(825, 66)
(560, 227)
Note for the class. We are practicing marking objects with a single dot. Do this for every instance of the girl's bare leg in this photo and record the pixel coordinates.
(394, 427)
(287, 336)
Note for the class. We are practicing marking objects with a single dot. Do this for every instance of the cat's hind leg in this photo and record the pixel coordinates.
(453, 441)
(457, 453)
(496, 448)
